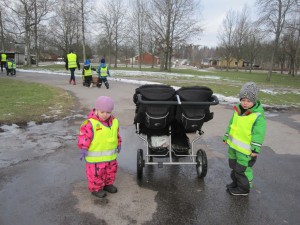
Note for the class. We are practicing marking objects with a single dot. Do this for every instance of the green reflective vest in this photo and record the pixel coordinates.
(88, 72)
(3, 57)
(103, 71)
(240, 134)
(103, 147)
(72, 60)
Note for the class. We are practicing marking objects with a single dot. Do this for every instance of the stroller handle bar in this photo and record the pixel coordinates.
(178, 102)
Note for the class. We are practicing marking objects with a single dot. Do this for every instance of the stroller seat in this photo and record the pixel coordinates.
(153, 117)
(193, 109)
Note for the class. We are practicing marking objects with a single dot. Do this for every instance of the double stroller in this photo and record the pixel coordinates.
(164, 117)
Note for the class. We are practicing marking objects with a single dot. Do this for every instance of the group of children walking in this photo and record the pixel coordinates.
(100, 143)
(102, 71)
(9, 64)
(87, 73)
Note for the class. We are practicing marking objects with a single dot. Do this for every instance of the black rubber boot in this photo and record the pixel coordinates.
(99, 194)
(106, 85)
(110, 188)
(231, 185)
(238, 191)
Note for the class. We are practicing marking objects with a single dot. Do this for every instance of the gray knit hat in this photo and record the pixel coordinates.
(249, 90)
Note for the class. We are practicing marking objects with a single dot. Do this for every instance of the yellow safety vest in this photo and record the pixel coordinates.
(9, 65)
(103, 147)
(240, 134)
(72, 60)
(103, 71)
(3, 57)
(88, 72)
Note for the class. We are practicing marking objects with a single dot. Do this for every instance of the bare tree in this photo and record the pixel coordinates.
(41, 10)
(112, 21)
(292, 39)
(173, 22)
(25, 17)
(226, 35)
(273, 16)
(240, 34)
(253, 44)
(139, 22)
(63, 27)
(84, 8)
(2, 32)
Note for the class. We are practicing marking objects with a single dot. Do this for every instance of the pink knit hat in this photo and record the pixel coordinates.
(104, 103)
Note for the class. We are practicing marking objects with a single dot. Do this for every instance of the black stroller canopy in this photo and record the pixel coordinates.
(156, 92)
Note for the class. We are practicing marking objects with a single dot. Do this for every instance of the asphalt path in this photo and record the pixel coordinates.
(42, 180)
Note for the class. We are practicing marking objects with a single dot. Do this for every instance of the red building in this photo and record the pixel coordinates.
(147, 58)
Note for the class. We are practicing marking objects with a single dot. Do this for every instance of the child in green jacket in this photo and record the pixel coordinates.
(245, 135)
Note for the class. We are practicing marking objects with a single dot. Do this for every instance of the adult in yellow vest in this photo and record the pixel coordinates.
(71, 63)
(245, 135)
(3, 61)
(87, 73)
(103, 72)
(100, 144)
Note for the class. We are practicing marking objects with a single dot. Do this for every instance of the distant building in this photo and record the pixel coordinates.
(209, 62)
(146, 59)
(233, 63)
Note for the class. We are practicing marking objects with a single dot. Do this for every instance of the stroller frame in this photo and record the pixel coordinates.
(197, 158)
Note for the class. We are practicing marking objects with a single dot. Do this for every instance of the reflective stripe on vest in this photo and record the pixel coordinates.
(88, 72)
(72, 58)
(103, 147)
(3, 57)
(240, 134)
(103, 71)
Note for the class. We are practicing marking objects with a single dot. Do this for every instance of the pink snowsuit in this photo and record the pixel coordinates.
(98, 174)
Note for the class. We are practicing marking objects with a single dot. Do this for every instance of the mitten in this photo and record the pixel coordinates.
(119, 148)
(225, 138)
(255, 149)
(83, 153)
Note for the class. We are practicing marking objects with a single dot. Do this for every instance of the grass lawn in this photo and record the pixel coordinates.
(22, 102)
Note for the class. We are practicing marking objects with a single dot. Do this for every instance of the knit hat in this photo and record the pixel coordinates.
(87, 62)
(102, 60)
(104, 103)
(249, 90)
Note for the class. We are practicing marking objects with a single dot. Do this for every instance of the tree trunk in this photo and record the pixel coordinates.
(82, 31)
(2, 33)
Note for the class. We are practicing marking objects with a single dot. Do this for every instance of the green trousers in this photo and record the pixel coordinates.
(241, 168)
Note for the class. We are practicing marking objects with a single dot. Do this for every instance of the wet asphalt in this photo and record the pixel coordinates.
(42, 180)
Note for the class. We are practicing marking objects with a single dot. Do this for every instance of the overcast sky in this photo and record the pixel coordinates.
(213, 13)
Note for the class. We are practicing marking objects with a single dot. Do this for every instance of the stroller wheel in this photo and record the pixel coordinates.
(201, 166)
(140, 164)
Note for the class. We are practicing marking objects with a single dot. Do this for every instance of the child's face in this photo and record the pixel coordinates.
(103, 115)
(246, 103)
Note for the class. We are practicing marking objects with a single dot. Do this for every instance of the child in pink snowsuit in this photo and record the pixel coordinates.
(100, 143)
